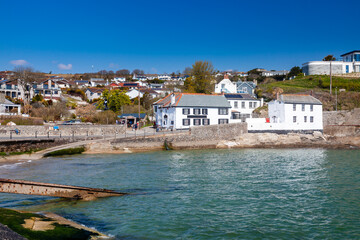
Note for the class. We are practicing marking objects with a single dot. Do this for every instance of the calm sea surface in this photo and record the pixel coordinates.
(206, 194)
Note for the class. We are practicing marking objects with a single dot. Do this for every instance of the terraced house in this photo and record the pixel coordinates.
(184, 110)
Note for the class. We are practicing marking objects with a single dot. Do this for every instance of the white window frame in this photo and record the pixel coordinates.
(195, 120)
(186, 122)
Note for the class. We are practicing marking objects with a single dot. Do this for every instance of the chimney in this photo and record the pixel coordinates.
(277, 96)
(226, 76)
(261, 102)
(173, 99)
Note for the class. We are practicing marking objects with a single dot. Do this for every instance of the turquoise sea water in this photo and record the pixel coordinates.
(206, 194)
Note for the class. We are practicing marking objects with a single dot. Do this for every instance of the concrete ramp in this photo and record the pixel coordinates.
(54, 190)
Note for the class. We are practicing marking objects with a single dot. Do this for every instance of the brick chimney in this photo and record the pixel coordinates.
(226, 76)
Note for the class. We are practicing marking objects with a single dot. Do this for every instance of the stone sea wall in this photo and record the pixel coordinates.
(64, 130)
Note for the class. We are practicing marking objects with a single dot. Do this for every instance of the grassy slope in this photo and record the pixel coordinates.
(320, 86)
(14, 219)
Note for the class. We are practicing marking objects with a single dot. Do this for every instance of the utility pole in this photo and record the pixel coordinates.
(330, 77)
(139, 102)
(336, 99)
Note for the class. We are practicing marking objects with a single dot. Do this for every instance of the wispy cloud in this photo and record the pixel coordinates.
(19, 62)
(113, 65)
(62, 66)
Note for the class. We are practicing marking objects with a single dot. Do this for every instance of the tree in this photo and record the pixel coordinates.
(146, 101)
(123, 72)
(26, 78)
(202, 76)
(329, 58)
(113, 100)
(294, 72)
(86, 112)
(137, 72)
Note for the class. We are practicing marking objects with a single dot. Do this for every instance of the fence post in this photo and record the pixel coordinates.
(48, 133)
(135, 133)
(60, 134)
(35, 134)
(73, 132)
(144, 132)
(10, 134)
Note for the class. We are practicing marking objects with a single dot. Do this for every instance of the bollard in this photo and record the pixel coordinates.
(10, 134)
(48, 133)
(35, 134)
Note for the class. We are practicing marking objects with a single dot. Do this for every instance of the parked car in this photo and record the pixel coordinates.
(72, 122)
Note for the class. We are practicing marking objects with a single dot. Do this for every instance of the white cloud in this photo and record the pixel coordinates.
(64, 66)
(18, 62)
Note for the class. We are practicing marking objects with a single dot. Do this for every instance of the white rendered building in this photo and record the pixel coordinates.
(225, 86)
(349, 64)
(242, 106)
(290, 113)
(184, 110)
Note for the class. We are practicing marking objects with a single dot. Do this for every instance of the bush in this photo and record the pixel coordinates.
(106, 117)
(21, 120)
(51, 113)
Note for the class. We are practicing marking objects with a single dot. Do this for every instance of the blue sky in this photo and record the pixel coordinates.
(166, 36)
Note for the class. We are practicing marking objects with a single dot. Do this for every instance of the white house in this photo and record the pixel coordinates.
(225, 86)
(184, 110)
(134, 93)
(119, 79)
(93, 93)
(49, 89)
(242, 106)
(290, 113)
(274, 73)
(350, 63)
(7, 107)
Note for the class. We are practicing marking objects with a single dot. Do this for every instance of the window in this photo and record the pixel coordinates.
(250, 104)
(206, 121)
(197, 122)
(305, 118)
(242, 104)
(223, 111)
(255, 103)
(186, 111)
(294, 119)
(186, 122)
(222, 85)
(155, 108)
(311, 119)
(172, 122)
(204, 111)
(311, 108)
(294, 107)
(302, 107)
(235, 104)
(223, 121)
(196, 111)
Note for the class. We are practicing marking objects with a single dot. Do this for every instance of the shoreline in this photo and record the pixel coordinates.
(249, 140)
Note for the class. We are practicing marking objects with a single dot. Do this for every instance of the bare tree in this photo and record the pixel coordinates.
(26, 78)
(123, 72)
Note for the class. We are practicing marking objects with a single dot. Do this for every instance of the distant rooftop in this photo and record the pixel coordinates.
(299, 99)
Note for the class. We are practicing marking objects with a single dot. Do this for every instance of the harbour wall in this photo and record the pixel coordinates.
(64, 130)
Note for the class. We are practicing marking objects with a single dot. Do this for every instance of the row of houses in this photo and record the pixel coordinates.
(289, 112)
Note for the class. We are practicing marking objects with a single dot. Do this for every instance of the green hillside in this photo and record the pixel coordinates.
(347, 99)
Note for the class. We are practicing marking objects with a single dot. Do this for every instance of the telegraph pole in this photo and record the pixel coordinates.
(330, 77)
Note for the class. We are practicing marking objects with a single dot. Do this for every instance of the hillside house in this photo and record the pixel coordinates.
(93, 93)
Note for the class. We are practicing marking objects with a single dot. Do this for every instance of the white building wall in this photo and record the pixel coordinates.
(282, 117)
(224, 85)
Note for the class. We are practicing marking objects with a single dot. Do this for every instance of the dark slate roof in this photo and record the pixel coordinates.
(239, 96)
(135, 115)
(350, 53)
(299, 98)
(195, 100)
